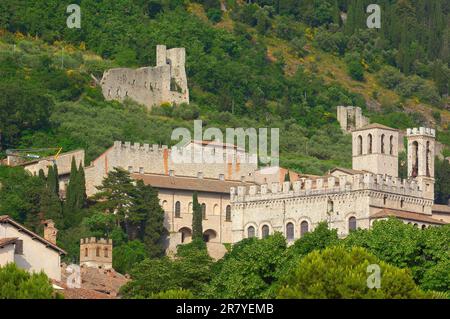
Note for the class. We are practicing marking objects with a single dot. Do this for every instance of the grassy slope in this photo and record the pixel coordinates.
(333, 70)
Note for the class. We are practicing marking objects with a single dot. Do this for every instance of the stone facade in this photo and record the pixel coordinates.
(375, 149)
(346, 199)
(96, 253)
(155, 159)
(165, 83)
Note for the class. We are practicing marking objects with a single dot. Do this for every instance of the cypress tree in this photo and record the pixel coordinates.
(56, 179)
(197, 218)
(51, 178)
(81, 187)
(71, 194)
(42, 175)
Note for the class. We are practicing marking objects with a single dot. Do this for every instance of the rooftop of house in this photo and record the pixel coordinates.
(189, 183)
(374, 126)
(95, 283)
(6, 219)
(401, 214)
(7, 241)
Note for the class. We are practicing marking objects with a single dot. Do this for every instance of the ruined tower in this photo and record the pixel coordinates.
(421, 150)
(96, 253)
(375, 149)
(164, 83)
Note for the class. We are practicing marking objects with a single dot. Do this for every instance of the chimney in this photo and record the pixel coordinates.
(50, 231)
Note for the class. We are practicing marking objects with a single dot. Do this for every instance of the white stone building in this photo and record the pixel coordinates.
(346, 198)
(28, 250)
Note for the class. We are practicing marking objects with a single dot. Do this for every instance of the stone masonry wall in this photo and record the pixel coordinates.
(164, 83)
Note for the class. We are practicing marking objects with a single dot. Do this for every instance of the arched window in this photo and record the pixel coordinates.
(384, 200)
(97, 252)
(382, 144)
(204, 210)
(360, 145)
(415, 159)
(330, 205)
(228, 213)
(391, 145)
(290, 231)
(190, 208)
(401, 203)
(428, 159)
(86, 252)
(304, 228)
(352, 223)
(265, 231)
(164, 205)
(216, 210)
(369, 144)
(424, 226)
(105, 252)
(178, 209)
(251, 232)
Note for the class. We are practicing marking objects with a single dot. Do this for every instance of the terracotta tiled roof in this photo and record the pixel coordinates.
(7, 241)
(188, 183)
(104, 283)
(407, 215)
(375, 125)
(7, 219)
(441, 208)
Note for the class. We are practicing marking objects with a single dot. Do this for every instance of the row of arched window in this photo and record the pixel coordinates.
(290, 229)
(370, 144)
(178, 210)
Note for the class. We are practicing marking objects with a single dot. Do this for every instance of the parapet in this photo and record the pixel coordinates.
(208, 155)
(93, 240)
(326, 185)
(421, 131)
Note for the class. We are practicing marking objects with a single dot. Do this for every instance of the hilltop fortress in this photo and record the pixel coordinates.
(164, 83)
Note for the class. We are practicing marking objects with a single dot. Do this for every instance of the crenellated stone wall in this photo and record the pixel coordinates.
(156, 159)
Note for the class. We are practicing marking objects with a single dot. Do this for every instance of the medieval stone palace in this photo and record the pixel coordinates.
(347, 198)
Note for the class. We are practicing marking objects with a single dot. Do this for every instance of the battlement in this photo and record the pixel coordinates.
(326, 185)
(93, 240)
(209, 155)
(421, 131)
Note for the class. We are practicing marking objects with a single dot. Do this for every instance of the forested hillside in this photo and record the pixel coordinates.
(270, 63)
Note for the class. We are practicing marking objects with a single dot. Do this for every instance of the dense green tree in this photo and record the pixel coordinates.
(127, 255)
(338, 273)
(249, 269)
(16, 283)
(404, 246)
(442, 184)
(190, 270)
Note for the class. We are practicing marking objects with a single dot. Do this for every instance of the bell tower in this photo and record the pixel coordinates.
(375, 149)
(421, 148)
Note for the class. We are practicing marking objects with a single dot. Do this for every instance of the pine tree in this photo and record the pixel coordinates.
(197, 218)
(146, 207)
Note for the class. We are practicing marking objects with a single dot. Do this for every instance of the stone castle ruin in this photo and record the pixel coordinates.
(351, 118)
(164, 83)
